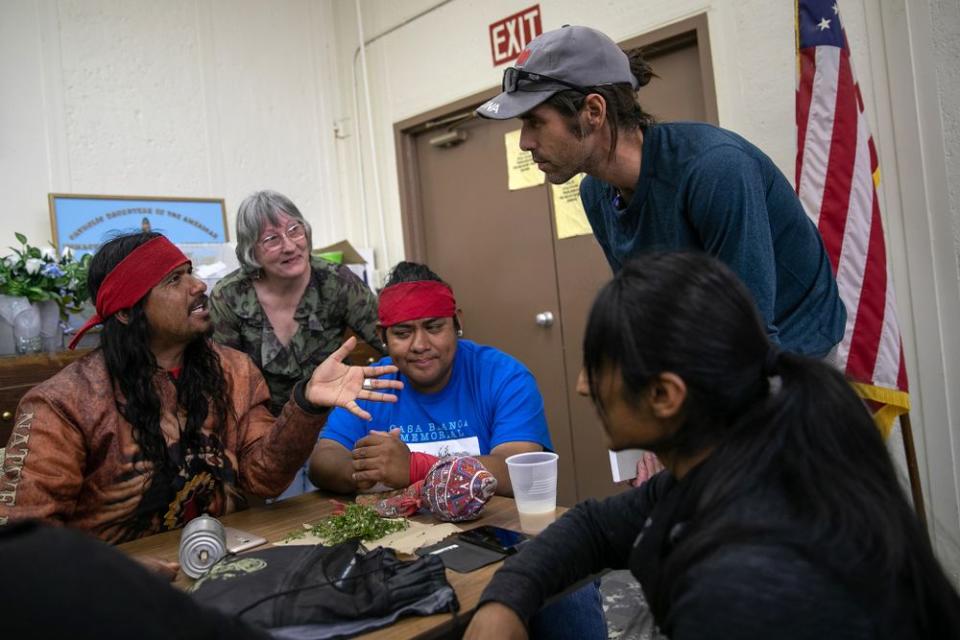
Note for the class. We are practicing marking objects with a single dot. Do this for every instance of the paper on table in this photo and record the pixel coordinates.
(413, 537)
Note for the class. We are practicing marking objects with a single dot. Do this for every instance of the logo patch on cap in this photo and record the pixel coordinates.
(492, 107)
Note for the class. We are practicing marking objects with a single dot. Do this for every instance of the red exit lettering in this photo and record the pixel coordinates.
(509, 36)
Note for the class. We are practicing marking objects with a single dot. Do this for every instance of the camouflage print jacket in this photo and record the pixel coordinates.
(334, 300)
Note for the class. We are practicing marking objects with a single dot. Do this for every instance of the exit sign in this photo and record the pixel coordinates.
(508, 37)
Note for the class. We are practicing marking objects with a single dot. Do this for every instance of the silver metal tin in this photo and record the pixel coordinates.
(202, 543)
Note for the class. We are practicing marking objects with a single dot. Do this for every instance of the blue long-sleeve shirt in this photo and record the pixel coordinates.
(708, 189)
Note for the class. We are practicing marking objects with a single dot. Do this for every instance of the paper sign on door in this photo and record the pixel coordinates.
(571, 218)
(522, 171)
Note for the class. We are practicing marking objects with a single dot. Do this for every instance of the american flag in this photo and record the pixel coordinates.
(837, 178)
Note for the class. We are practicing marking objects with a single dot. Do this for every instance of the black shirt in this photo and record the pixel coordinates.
(62, 583)
(761, 587)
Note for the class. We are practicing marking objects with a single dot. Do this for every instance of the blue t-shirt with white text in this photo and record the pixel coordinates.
(491, 399)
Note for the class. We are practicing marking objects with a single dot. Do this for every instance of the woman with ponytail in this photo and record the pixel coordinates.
(779, 513)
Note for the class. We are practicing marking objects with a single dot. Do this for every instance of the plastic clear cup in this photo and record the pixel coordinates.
(534, 479)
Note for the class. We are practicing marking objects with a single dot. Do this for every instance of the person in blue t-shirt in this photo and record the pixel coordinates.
(457, 397)
(677, 186)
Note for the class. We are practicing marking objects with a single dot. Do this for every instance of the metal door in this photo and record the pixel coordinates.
(495, 247)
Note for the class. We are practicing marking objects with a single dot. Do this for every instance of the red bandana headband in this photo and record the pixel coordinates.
(132, 279)
(414, 300)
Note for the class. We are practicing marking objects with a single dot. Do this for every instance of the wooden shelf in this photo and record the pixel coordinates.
(18, 374)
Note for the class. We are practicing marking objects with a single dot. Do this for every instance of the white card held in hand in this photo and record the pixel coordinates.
(623, 464)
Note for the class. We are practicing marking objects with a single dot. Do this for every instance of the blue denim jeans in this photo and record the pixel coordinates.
(578, 616)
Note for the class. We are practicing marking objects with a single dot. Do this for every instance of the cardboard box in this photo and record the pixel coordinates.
(357, 260)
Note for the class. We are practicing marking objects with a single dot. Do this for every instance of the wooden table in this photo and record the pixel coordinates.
(275, 520)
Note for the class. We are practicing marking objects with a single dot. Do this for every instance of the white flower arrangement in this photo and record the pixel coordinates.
(37, 274)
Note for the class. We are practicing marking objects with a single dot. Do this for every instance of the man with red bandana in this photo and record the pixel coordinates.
(457, 397)
(159, 424)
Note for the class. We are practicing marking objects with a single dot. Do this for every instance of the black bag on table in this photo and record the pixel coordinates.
(300, 592)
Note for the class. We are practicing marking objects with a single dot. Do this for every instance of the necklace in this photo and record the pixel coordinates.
(618, 200)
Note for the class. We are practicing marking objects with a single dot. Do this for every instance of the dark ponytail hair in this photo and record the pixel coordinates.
(643, 324)
(639, 67)
(623, 110)
(806, 436)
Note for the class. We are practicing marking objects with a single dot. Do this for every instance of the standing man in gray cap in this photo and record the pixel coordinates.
(676, 186)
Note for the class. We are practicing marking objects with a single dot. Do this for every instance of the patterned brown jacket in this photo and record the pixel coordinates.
(72, 458)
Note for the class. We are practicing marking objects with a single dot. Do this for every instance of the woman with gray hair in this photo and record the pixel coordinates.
(284, 308)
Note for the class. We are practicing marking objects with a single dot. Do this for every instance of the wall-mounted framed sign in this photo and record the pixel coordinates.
(84, 222)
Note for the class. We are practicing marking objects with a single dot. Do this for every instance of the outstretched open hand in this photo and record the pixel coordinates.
(335, 384)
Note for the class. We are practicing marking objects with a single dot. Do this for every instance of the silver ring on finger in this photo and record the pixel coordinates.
(367, 384)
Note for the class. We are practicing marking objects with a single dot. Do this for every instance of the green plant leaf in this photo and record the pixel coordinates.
(357, 521)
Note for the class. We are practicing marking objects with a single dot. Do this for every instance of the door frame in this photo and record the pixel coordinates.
(678, 34)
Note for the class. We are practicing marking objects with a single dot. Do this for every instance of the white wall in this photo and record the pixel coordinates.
(904, 57)
(919, 36)
(945, 41)
(205, 98)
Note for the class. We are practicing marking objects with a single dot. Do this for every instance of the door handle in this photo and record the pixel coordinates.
(545, 319)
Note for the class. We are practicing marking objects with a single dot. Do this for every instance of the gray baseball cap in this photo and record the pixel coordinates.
(565, 58)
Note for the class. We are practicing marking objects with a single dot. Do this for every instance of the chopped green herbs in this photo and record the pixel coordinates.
(357, 521)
